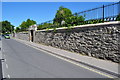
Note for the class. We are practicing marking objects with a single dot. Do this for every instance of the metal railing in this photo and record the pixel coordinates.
(101, 14)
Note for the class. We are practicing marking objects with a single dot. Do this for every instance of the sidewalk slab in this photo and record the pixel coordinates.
(107, 66)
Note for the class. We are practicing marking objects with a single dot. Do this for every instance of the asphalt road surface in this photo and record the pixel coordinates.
(22, 61)
(0, 59)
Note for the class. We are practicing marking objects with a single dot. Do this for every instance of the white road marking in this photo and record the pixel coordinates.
(3, 72)
(85, 67)
(6, 66)
(8, 76)
(5, 60)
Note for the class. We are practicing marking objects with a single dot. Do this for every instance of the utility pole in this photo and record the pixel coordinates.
(118, 7)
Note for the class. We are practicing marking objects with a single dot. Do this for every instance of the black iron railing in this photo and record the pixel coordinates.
(101, 14)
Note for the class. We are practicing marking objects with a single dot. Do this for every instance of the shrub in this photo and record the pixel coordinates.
(118, 18)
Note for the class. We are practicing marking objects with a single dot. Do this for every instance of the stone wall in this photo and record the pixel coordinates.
(22, 35)
(96, 40)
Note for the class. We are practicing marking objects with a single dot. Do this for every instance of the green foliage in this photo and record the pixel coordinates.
(74, 20)
(25, 24)
(63, 18)
(17, 29)
(54, 29)
(45, 26)
(93, 21)
(0, 27)
(7, 27)
(61, 14)
(69, 27)
(118, 18)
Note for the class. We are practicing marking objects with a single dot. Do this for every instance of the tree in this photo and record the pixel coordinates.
(61, 14)
(45, 26)
(17, 29)
(74, 20)
(0, 27)
(7, 27)
(118, 18)
(25, 24)
(30, 22)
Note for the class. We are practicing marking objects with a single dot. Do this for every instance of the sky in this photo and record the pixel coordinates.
(17, 12)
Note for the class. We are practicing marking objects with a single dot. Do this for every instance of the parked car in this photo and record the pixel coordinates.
(7, 36)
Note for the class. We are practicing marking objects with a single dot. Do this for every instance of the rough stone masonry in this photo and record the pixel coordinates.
(23, 36)
(96, 40)
(100, 41)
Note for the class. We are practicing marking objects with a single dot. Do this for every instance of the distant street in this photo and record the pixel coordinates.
(22, 61)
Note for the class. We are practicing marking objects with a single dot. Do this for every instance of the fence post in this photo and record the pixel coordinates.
(103, 13)
(118, 7)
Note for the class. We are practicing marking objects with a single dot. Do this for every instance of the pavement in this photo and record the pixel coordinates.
(26, 61)
(99, 64)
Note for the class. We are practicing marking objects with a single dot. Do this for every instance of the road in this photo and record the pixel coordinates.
(22, 61)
